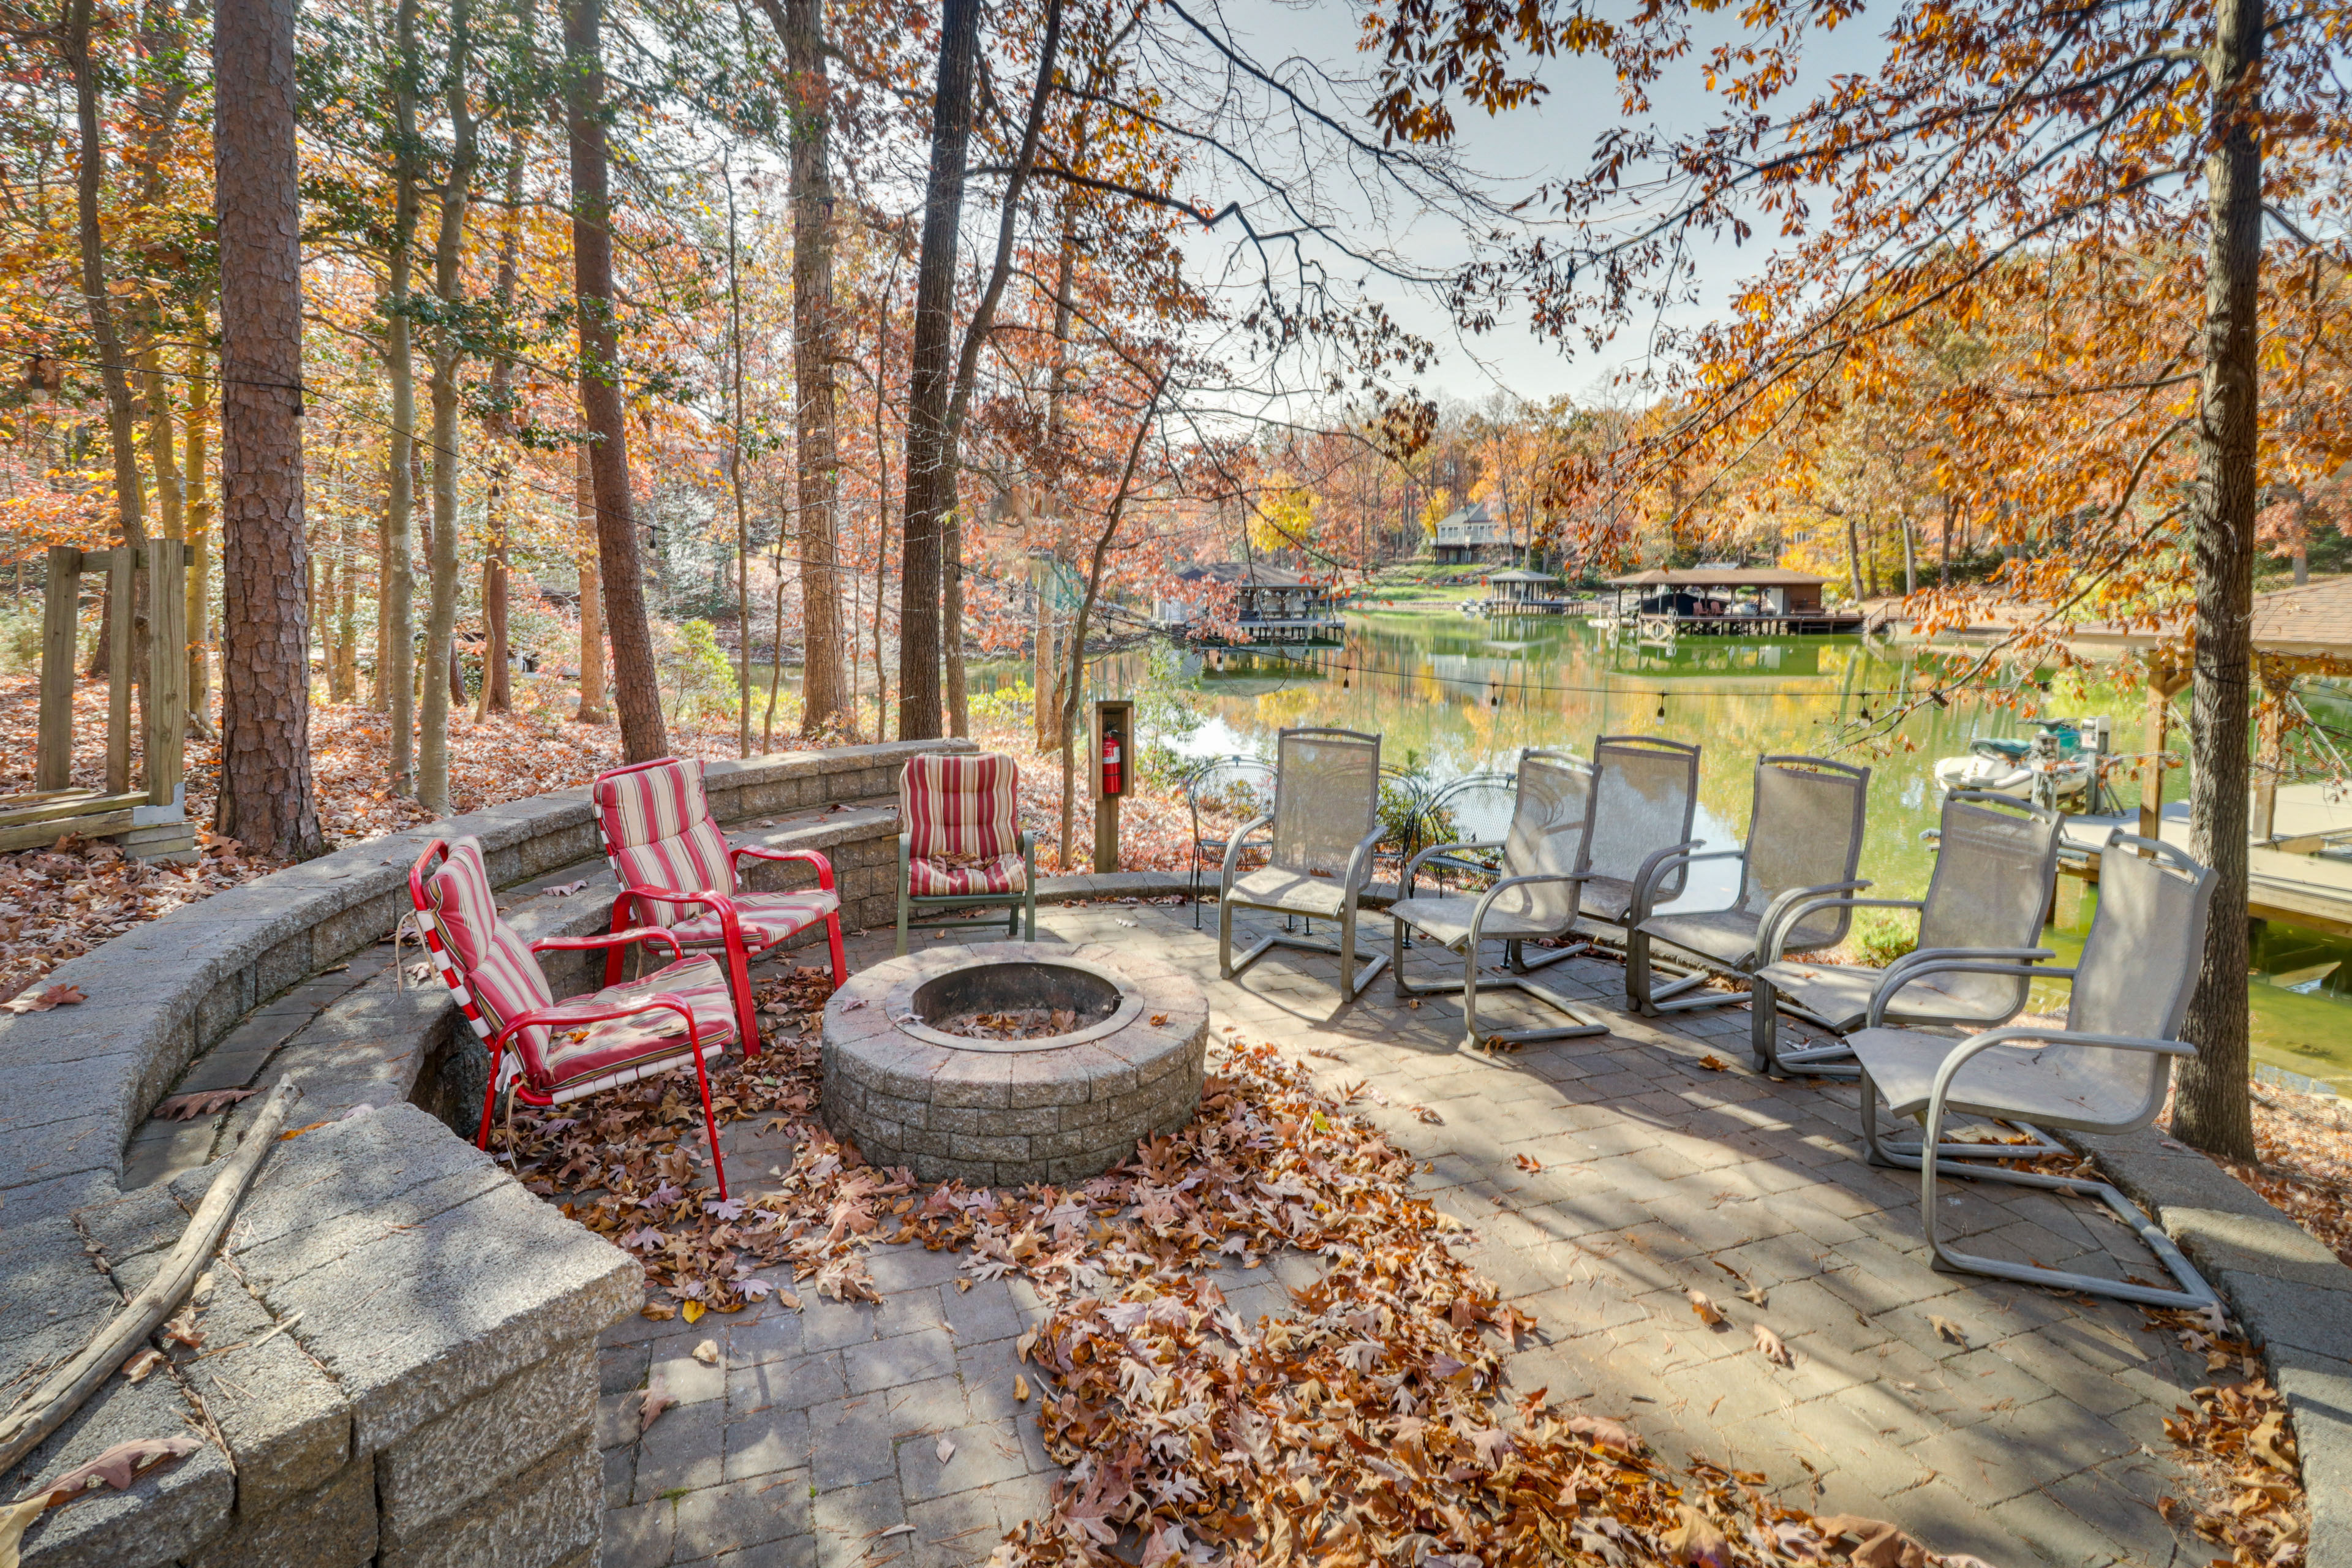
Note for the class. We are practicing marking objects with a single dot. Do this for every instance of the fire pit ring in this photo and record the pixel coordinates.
(1007, 1112)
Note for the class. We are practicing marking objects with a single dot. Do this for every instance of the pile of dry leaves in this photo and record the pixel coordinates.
(1371, 1424)
(2237, 1444)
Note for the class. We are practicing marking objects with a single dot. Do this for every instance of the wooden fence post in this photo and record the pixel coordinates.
(122, 602)
(60, 627)
(167, 694)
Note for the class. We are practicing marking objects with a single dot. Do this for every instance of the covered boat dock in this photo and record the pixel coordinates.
(1735, 601)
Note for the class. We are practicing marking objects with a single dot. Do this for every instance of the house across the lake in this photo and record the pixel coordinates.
(1472, 534)
(1239, 602)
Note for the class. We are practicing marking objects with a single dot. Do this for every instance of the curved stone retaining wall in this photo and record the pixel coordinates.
(407, 1372)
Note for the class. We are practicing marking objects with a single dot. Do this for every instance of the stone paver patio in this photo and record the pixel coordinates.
(2038, 1440)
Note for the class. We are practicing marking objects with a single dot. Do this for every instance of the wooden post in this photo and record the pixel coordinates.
(2270, 757)
(61, 629)
(122, 589)
(2164, 678)
(167, 694)
(1113, 719)
(2151, 768)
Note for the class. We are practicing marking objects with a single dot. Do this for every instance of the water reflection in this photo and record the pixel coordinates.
(1453, 695)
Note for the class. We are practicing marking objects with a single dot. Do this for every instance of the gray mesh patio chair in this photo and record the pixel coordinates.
(1996, 860)
(2106, 1070)
(1804, 839)
(1320, 838)
(1646, 800)
(1539, 869)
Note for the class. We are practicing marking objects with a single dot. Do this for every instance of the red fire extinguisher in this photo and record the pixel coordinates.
(1111, 782)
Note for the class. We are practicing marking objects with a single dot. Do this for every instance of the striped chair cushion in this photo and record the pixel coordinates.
(962, 823)
(928, 878)
(766, 918)
(591, 1057)
(658, 834)
(492, 970)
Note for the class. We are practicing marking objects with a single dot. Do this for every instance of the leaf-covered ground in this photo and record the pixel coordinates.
(1369, 1425)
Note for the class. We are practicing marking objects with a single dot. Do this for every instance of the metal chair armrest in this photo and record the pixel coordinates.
(1412, 866)
(559, 1014)
(1359, 860)
(1878, 1015)
(1785, 914)
(1233, 850)
(1653, 871)
(608, 939)
(817, 859)
(1486, 900)
(1920, 962)
(1976, 1045)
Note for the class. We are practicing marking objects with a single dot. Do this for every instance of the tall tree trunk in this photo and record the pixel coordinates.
(2211, 1109)
(735, 485)
(592, 603)
(929, 454)
(637, 690)
(162, 451)
(447, 358)
(343, 667)
(265, 797)
(827, 707)
(398, 660)
(498, 691)
(200, 535)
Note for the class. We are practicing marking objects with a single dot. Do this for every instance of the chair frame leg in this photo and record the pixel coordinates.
(1351, 984)
(1890, 1153)
(709, 1123)
(1832, 1061)
(2195, 1293)
(1468, 987)
(491, 1098)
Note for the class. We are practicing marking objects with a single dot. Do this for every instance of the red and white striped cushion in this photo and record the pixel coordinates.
(491, 971)
(658, 834)
(580, 1060)
(944, 880)
(766, 918)
(962, 817)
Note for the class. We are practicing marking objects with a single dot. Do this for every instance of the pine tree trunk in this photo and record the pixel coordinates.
(930, 373)
(200, 533)
(827, 708)
(636, 690)
(2211, 1109)
(266, 799)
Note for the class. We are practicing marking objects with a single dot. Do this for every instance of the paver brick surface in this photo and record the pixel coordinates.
(1603, 1178)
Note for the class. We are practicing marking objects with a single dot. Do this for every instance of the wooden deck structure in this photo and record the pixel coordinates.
(1723, 601)
(151, 821)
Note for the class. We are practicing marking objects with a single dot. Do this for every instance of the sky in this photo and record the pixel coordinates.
(1516, 151)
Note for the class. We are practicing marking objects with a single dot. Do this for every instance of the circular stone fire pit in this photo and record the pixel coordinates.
(1008, 1111)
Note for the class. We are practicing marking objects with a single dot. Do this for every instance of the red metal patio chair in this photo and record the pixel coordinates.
(564, 1050)
(677, 870)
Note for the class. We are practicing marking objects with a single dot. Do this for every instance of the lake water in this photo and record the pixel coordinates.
(1453, 695)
